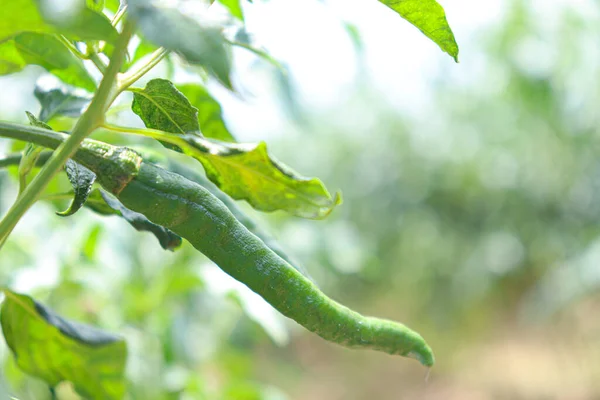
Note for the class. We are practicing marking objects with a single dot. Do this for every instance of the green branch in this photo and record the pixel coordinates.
(15, 159)
(98, 62)
(89, 121)
(119, 15)
(71, 47)
(130, 77)
(32, 134)
(94, 57)
(170, 138)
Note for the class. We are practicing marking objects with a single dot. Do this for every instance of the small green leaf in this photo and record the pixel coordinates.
(104, 204)
(36, 122)
(210, 116)
(161, 105)
(197, 40)
(234, 7)
(430, 18)
(58, 99)
(82, 180)
(48, 52)
(54, 349)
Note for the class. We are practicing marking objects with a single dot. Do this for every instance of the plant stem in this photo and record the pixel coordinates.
(11, 159)
(33, 134)
(119, 15)
(71, 47)
(98, 62)
(261, 53)
(94, 57)
(151, 133)
(15, 159)
(130, 77)
(91, 119)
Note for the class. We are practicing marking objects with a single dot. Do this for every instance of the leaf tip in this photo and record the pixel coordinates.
(337, 199)
(67, 213)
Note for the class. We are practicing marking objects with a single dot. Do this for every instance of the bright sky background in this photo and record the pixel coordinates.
(310, 37)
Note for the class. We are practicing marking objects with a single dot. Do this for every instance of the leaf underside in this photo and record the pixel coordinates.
(57, 99)
(82, 180)
(54, 349)
(104, 204)
(197, 40)
(30, 48)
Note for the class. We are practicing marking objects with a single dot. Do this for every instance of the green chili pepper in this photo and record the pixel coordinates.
(195, 214)
(192, 212)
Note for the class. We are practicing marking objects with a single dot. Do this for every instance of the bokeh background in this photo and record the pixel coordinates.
(471, 213)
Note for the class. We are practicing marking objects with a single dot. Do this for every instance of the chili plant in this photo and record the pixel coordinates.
(155, 194)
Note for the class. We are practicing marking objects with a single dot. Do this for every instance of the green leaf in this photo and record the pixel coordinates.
(234, 7)
(36, 122)
(161, 105)
(25, 16)
(82, 180)
(210, 116)
(247, 172)
(196, 39)
(88, 25)
(21, 16)
(48, 52)
(430, 18)
(104, 204)
(165, 107)
(54, 349)
(185, 109)
(58, 99)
